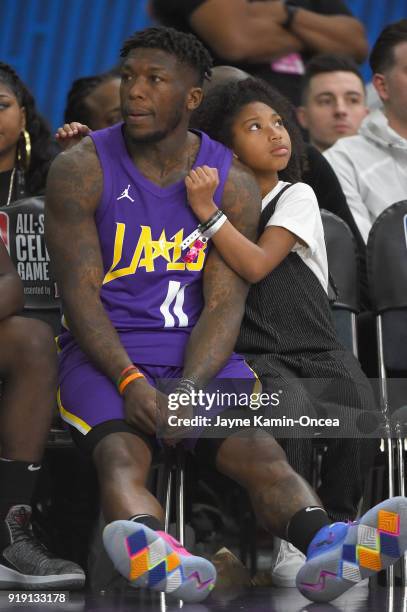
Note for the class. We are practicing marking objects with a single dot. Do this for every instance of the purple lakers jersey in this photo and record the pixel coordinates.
(151, 296)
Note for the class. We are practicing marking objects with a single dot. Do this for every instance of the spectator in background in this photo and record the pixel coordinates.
(28, 373)
(26, 148)
(95, 101)
(372, 166)
(272, 39)
(333, 100)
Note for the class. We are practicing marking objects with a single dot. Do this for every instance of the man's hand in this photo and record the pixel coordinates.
(142, 404)
(201, 184)
(71, 133)
(174, 433)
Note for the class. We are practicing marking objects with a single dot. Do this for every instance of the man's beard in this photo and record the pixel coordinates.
(159, 135)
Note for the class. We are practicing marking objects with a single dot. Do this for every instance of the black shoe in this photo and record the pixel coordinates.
(25, 563)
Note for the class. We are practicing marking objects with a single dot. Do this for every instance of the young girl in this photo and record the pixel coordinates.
(287, 335)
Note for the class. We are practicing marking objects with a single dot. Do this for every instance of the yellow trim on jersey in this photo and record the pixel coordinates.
(70, 418)
(56, 339)
(257, 387)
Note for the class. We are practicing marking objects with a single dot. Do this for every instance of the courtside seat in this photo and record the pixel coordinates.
(343, 269)
(387, 274)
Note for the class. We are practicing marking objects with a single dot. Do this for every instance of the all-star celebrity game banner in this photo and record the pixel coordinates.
(22, 231)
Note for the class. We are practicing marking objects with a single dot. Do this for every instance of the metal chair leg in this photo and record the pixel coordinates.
(402, 492)
(164, 487)
(167, 508)
(384, 401)
(180, 485)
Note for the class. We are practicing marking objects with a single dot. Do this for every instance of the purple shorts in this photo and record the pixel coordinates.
(87, 398)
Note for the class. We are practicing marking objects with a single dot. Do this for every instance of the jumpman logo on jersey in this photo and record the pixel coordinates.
(125, 194)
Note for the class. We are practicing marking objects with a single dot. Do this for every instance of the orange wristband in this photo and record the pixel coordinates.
(122, 375)
(128, 380)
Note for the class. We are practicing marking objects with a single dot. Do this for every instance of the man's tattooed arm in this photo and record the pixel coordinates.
(214, 336)
(74, 188)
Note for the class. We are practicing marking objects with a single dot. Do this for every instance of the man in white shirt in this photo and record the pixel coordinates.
(333, 99)
(372, 166)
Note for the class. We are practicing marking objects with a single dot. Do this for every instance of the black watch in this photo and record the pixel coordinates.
(291, 11)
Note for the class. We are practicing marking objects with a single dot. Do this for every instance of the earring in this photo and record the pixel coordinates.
(27, 139)
(24, 154)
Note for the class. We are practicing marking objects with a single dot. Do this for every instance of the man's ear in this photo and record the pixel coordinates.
(302, 117)
(194, 98)
(380, 85)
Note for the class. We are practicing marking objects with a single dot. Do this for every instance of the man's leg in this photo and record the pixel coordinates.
(28, 372)
(345, 467)
(338, 555)
(277, 493)
(140, 550)
(133, 536)
(123, 462)
(28, 368)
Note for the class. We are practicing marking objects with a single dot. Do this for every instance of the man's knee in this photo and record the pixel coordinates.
(119, 454)
(253, 457)
(30, 339)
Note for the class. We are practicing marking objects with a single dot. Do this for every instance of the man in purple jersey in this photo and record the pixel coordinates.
(137, 311)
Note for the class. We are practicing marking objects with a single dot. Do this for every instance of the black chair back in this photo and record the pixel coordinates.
(343, 278)
(387, 259)
(342, 261)
(387, 274)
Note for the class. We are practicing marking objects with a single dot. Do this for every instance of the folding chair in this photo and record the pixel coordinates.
(387, 274)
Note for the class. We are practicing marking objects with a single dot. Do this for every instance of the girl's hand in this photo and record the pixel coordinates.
(201, 184)
(71, 133)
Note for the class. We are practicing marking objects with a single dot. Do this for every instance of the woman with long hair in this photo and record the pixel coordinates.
(26, 147)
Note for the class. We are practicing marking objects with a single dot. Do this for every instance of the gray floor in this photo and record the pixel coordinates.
(376, 599)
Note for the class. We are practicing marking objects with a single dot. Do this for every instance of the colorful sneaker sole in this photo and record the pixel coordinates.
(147, 560)
(376, 541)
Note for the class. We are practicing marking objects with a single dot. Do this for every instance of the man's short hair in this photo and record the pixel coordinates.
(185, 47)
(382, 55)
(76, 108)
(327, 62)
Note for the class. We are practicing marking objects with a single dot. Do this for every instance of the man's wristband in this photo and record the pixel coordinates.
(128, 380)
(126, 376)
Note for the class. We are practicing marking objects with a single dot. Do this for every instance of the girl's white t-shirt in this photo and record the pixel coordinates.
(297, 211)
